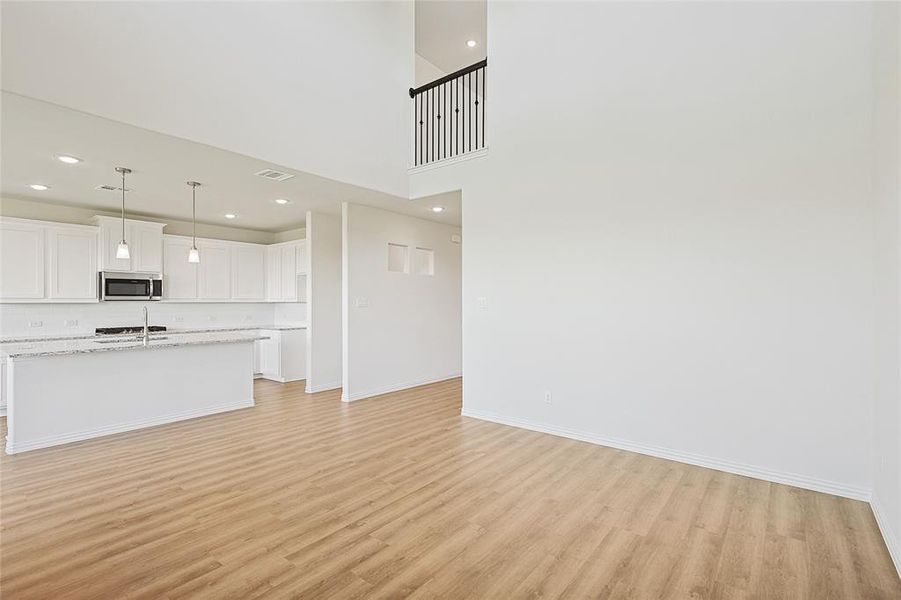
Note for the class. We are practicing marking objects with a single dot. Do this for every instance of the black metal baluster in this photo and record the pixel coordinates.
(415, 127)
(484, 101)
(477, 110)
(419, 99)
(468, 100)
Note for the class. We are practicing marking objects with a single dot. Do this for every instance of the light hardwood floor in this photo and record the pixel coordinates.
(304, 496)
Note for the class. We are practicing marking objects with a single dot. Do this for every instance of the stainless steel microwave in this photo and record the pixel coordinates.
(130, 286)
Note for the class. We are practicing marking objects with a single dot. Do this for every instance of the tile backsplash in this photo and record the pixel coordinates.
(38, 320)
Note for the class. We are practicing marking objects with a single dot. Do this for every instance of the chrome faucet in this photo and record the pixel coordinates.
(146, 337)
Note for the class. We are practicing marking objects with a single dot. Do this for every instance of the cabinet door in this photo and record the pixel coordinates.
(289, 273)
(179, 276)
(249, 273)
(73, 264)
(215, 271)
(301, 258)
(270, 355)
(293, 354)
(147, 255)
(21, 261)
(110, 235)
(274, 273)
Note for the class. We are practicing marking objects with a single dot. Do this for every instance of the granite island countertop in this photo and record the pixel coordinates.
(169, 331)
(116, 343)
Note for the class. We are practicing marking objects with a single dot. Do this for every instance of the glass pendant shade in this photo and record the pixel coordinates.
(122, 251)
(193, 255)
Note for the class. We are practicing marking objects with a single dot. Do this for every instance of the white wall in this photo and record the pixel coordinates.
(400, 329)
(323, 302)
(887, 438)
(679, 245)
(314, 86)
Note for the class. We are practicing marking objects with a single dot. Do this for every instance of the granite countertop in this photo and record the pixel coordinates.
(170, 331)
(115, 343)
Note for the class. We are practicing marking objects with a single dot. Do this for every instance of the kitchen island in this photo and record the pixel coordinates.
(67, 390)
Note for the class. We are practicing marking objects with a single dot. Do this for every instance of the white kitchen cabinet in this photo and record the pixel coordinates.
(289, 273)
(301, 252)
(283, 356)
(179, 276)
(248, 272)
(145, 245)
(72, 269)
(282, 271)
(215, 270)
(273, 273)
(21, 260)
(148, 240)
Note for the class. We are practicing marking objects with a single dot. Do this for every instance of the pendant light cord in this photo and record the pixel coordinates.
(194, 216)
(123, 205)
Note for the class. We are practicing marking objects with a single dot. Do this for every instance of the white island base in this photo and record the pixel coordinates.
(64, 398)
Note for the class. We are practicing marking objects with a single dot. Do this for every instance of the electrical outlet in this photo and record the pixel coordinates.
(482, 302)
(70, 323)
(248, 318)
(212, 317)
(547, 396)
(361, 302)
(35, 323)
(178, 319)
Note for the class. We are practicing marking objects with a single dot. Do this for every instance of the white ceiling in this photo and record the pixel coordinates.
(317, 86)
(34, 132)
(444, 26)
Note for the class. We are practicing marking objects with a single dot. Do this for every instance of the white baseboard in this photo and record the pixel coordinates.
(892, 542)
(323, 387)
(78, 436)
(2, 411)
(396, 387)
(801, 481)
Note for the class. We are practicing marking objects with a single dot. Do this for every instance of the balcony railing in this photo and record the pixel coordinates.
(449, 115)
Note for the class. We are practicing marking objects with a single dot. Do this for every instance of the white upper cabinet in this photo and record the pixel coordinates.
(249, 272)
(179, 276)
(148, 240)
(273, 273)
(73, 263)
(44, 261)
(21, 260)
(215, 270)
(145, 245)
(289, 273)
(301, 257)
(282, 271)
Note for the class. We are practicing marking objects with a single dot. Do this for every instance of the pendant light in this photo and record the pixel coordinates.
(122, 248)
(193, 254)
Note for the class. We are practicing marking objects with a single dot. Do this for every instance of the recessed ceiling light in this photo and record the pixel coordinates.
(39, 187)
(231, 216)
(471, 43)
(69, 160)
(281, 201)
(437, 209)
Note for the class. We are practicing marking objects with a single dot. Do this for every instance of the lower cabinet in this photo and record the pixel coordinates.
(282, 357)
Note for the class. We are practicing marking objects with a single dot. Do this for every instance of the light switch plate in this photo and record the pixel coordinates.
(482, 302)
(361, 302)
